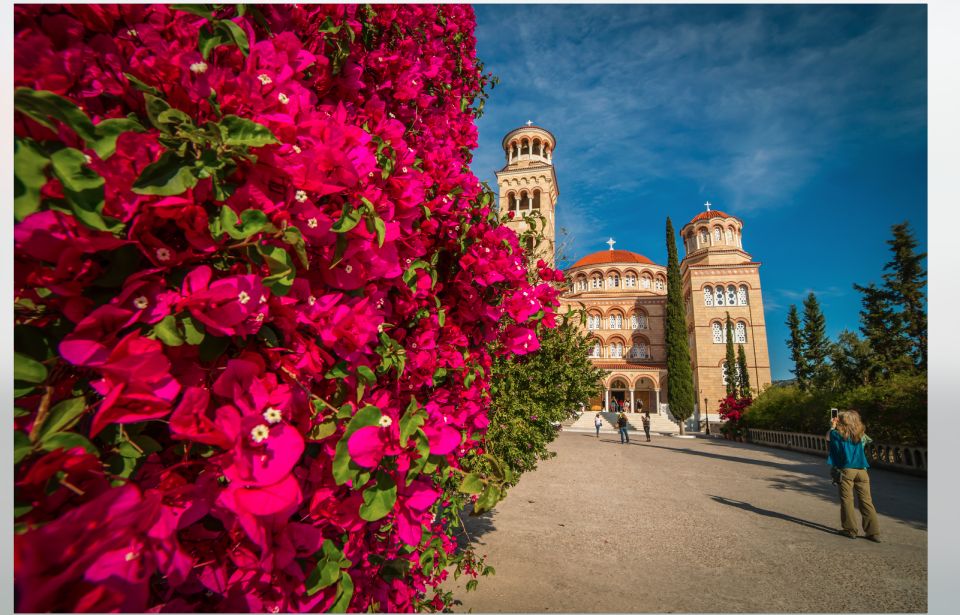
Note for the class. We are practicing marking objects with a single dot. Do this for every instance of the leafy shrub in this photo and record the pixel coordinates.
(258, 299)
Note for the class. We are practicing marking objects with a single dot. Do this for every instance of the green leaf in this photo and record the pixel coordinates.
(166, 331)
(29, 177)
(381, 230)
(411, 422)
(108, 131)
(471, 484)
(241, 131)
(63, 416)
(28, 370)
(208, 40)
(325, 574)
(170, 175)
(487, 500)
(343, 468)
(282, 272)
(379, 499)
(322, 430)
(236, 34)
(250, 222)
(294, 237)
(344, 594)
(366, 374)
(21, 446)
(193, 332)
(471, 585)
(68, 440)
(348, 219)
(339, 370)
(154, 106)
(44, 106)
(140, 85)
(69, 165)
(427, 559)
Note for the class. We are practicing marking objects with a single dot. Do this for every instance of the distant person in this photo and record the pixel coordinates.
(639, 407)
(622, 427)
(598, 423)
(646, 424)
(847, 455)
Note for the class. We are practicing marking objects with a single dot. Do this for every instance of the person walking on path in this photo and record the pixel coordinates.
(622, 427)
(646, 424)
(598, 423)
(847, 456)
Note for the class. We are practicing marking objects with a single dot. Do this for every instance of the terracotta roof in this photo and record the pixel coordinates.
(713, 213)
(604, 257)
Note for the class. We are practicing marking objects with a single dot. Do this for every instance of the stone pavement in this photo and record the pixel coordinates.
(701, 525)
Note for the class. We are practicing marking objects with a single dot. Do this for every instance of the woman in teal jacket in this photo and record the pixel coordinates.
(847, 455)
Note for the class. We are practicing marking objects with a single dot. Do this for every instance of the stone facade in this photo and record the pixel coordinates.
(624, 293)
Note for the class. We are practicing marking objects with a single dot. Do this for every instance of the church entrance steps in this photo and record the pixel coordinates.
(658, 423)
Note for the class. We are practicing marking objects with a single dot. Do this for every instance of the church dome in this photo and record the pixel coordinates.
(605, 257)
(713, 213)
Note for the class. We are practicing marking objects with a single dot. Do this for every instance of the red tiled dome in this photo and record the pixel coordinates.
(604, 257)
(713, 213)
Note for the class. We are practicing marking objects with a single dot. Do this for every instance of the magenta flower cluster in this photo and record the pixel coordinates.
(257, 290)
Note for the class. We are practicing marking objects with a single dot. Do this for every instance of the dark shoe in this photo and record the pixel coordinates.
(874, 538)
(847, 534)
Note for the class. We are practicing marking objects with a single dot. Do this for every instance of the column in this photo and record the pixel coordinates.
(632, 404)
(606, 398)
(657, 392)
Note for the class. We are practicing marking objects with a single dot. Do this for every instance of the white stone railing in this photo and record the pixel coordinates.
(910, 459)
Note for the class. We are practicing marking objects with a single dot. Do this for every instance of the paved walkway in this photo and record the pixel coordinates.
(694, 526)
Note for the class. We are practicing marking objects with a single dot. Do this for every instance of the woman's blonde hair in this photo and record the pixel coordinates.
(850, 426)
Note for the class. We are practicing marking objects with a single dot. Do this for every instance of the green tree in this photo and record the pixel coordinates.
(854, 362)
(904, 283)
(730, 364)
(743, 374)
(679, 372)
(795, 344)
(816, 346)
(883, 329)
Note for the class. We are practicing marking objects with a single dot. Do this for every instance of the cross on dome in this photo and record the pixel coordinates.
(707, 204)
(610, 243)
(529, 122)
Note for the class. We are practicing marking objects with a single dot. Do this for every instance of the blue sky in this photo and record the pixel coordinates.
(807, 122)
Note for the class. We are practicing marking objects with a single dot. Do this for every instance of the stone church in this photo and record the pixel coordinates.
(625, 293)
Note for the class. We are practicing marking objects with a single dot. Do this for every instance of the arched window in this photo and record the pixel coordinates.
(717, 333)
(593, 321)
(718, 296)
(525, 148)
(639, 351)
(536, 199)
(613, 280)
(536, 147)
(616, 350)
(740, 333)
(708, 296)
(716, 235)
(642, 321)
(645, 281)
(596, 281)
(634, 321)
(616, 321)
(730, 236)
(597, 350)
(731, 295)
(742, 295)
(630, 280)
(659, 284)
(704, 237)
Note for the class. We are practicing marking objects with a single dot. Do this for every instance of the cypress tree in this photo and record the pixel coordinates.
(679, 372)
(795, 344)
(743, 374)
(904, 285)
(816, 346)
(730, 365)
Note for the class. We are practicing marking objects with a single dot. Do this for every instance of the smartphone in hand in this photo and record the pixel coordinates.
(833, 414)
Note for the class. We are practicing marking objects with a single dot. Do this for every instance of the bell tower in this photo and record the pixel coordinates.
(528, 185)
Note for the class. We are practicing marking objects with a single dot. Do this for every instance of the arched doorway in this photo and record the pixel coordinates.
(644, 395)
(619, 395)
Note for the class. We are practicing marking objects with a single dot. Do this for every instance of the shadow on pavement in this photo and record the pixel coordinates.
(474, 527)
(771, 513)
(895, 495)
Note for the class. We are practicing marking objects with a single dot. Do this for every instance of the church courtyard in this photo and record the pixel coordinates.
(694, 525)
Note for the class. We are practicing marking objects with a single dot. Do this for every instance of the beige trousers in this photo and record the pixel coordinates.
(857, 481)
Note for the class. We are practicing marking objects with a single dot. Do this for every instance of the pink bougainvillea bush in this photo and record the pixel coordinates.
(257, 292)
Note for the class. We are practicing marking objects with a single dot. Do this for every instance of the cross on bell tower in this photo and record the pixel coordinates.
(610, 243)
(529, 122)
(707, 205)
